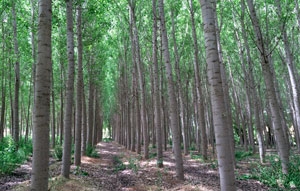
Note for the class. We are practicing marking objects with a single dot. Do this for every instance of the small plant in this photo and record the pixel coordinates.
(272, 175)
(240, 155)
(12, 155)
(91, 152)
(196, 156)
(58, 152)
(118, 164)
(133, 164)
(152, 155)
(79, 171)
(192, 147)
(107, 140)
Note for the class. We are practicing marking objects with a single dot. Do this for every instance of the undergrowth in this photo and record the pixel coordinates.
(91, 152)
(271, 174)
(118, 164)
(13, 155)
(240, 155)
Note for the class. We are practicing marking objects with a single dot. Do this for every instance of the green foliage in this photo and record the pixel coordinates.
(107, 140)
(272, 175)
(58, 152)
(152, 155)
(196, 156)
(91, 152)
(118, 164)
(11, 155)
(80, 172)
(133, 164)
(240, 155)
(192, 147)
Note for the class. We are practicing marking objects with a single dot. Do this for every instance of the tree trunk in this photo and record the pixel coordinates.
(17, 78)
(140, 79)
(157, 116)
(84, 123)
(291, 71)
(174, 123)
(79, 88)
(53, 112)
(199, 96)
(283, 150)
(41, 110)
(223, 138)
(65, 171)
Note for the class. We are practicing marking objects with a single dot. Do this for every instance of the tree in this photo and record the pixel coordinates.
(174, 123)
(157, 117)
(282, 143)
(65, 171)
(79, 91)
(41, 110)
(223, 138)
(136, 51)
(17, 77)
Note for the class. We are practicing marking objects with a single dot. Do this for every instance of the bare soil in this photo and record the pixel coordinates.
(105, 174)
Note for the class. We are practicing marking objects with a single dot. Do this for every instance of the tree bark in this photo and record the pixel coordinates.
(79, 88)
(16, 125)
(283, 150)
(174, 123)
(157, 116)
(65, 171)
(140, 78)
(41, 110)
(199, 95)
(223, 138)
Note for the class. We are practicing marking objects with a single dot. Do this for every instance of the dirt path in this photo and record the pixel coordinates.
(119, 169)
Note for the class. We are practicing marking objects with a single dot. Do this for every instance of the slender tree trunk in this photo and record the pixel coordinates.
(79, 88)
(157, 116)
(199, 97)
(174, 123)
(96, 113)
(291, 71)
(3, 85)
(141, 79)
(283, 150)
(53, 112)
(17, 78)
(69, 93)
(90, 114)
(41, 110)
(84, 123)
(179, 88)
(223, 137)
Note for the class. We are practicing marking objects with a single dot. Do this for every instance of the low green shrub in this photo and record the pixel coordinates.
(272, 175)
(12, 155)
(58, 152)
(118, 164)
(133, 164)
(91, 152)
(240, 155)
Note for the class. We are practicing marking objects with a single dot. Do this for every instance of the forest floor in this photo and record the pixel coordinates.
(120, 169)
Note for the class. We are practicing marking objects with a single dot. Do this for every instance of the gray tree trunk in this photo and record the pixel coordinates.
(223, 137)
(41, 110)
(79, 88)
(157, 116)
(283, 149)
(17, 78)
(173, 113)
(65, 171)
